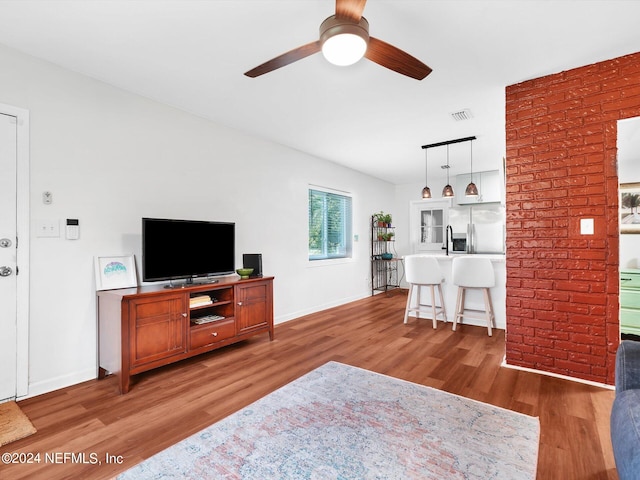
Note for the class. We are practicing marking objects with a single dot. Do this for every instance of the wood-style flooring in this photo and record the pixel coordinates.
(91, 422)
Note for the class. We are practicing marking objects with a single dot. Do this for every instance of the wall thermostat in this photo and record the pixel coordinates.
(73, 229)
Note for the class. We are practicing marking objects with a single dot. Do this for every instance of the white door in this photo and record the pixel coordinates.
(8, 256)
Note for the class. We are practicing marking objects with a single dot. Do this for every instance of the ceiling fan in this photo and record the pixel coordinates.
(344, 39)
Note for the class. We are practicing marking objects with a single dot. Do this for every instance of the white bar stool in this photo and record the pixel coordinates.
(424, 271)
(473, 273)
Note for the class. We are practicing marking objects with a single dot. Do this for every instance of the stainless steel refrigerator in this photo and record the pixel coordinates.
(482, 226)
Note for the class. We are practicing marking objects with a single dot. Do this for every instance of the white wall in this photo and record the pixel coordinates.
(110, 158)
(404, 195)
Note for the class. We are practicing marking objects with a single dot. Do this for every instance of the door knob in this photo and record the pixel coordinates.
(5, 271)
(5, 243)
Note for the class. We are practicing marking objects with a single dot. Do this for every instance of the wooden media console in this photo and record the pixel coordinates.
(147, 327)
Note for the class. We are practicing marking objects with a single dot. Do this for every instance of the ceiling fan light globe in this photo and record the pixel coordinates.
(344, 49)
(344, 41)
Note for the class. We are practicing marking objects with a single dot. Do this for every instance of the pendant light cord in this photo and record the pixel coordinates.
(448, 164)
(426, 167)
(471, 143)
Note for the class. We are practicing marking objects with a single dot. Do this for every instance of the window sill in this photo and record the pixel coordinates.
(328, 262)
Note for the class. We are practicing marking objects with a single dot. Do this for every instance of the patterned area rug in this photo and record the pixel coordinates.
(343, 422)
(14, 424)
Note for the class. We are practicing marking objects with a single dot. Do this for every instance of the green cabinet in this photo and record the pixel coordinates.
(630, 301)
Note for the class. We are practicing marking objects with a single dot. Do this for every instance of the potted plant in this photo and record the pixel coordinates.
(379, 218)
(387, 219)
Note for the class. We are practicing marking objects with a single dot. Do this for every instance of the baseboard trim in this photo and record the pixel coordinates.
(49, 385)
(557, 375)
(319, 308)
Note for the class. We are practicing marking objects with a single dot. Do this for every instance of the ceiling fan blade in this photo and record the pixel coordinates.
(395, 59)
(350, 9)
(285, 59)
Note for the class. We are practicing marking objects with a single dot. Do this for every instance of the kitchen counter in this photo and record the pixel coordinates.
(494, 257)
(473, 297)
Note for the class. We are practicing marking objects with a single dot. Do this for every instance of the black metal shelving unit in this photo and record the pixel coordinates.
(385, 264)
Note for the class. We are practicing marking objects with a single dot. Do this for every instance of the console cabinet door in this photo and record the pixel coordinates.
(253, 306)
(157, 328)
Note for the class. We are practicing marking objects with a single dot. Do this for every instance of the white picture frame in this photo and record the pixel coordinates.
(115, 271)
(629, 200)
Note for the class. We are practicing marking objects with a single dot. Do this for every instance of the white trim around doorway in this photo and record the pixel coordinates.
(23, 222)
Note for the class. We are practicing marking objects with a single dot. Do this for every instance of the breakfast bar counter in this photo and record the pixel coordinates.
(473, 298)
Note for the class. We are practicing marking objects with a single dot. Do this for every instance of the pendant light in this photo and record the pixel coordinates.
(447, 191)
(471, 190)
(426, 191)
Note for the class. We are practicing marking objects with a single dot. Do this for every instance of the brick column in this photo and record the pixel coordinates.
(562, 287)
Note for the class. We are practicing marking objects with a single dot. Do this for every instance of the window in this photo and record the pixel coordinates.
(431, 226)
(329, 225)
(427, 224)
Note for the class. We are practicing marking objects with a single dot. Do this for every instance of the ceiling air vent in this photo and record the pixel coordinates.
(462, 115)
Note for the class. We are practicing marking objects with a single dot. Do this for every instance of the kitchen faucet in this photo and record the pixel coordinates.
(446, 238)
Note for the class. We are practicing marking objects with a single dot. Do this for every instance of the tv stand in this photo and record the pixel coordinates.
(147, 327)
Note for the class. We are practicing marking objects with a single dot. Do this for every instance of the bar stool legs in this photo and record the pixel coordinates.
(421, 272)
(435, 310)
(473, 273)
(487, 313)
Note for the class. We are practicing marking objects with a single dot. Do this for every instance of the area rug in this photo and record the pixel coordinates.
(343, 422)
(14, 424)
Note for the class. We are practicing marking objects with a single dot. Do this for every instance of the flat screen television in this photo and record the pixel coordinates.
(186, 249)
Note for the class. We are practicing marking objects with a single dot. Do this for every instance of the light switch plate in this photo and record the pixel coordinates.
(47, 228)
(586, 226)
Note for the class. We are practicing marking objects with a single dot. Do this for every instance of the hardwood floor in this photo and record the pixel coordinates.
(171, 403)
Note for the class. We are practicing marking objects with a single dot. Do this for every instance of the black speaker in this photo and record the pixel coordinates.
(253, 260)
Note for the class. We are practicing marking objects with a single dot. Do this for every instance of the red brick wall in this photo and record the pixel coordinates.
(562, 287)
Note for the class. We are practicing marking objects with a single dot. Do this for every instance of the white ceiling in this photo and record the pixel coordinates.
(192, 54)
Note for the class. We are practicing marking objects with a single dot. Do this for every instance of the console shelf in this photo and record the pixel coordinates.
(213, 304)
(147, 327)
